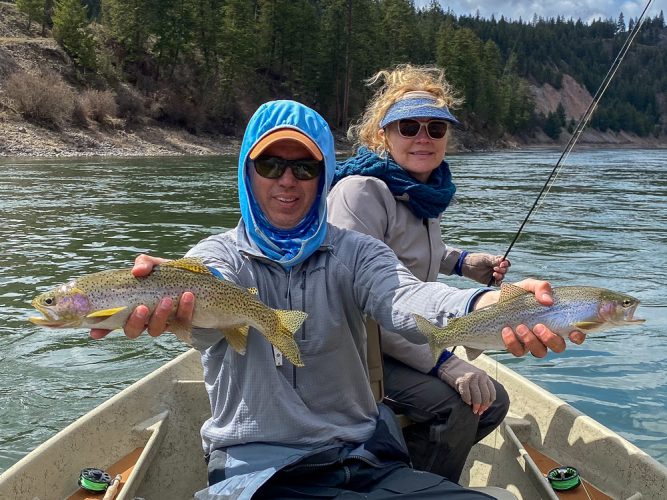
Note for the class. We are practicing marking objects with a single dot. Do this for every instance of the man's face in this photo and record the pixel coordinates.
(285, 201)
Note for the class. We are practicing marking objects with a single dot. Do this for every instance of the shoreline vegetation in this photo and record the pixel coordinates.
(52, 105)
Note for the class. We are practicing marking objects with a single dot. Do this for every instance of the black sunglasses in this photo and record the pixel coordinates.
(272, 167)
(408, 128)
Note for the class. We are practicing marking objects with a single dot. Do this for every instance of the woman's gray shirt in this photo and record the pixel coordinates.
(366, 204)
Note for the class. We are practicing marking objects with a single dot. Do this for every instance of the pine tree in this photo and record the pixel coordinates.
(34, 9)
(125, 20)
(70, 29)
(620, 24)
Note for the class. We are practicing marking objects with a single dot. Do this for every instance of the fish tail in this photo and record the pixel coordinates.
(431, 332)
(288, 323)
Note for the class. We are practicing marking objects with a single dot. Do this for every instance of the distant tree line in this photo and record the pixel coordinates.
(206, 64)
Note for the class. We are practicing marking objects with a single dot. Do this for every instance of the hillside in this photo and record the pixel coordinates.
(24, 51)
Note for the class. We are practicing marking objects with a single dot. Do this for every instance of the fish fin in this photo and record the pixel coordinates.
(183, 332)
(587, 326)
(253, 291)
(237, 338)
(288, 323)
(106, 313)
(509, 291)
(193, 264)
(472, 353)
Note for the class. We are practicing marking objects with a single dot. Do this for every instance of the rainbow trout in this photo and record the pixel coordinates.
(587, 309)
(106, 299)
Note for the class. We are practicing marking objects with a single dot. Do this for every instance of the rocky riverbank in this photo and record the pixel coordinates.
(24, 139)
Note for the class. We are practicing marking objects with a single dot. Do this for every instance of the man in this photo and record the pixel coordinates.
(276, 430)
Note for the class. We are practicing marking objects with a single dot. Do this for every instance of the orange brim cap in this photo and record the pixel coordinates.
(286, 134)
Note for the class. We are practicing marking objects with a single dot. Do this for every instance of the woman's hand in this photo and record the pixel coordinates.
(141, 318)
(472, 383)
(482, 267)
(538, 340)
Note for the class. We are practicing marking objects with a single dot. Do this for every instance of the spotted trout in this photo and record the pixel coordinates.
(587, 309)
(106, 299)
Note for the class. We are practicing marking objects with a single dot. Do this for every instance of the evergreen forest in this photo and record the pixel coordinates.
(207, 64)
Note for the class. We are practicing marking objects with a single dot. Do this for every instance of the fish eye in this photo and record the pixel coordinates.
(48, 301)
(627, 303)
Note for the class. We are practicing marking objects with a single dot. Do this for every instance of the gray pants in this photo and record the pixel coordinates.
(445, 428)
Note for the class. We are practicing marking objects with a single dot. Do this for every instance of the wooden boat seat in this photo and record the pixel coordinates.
(374, 357)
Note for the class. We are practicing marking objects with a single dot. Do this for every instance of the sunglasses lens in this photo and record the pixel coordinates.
(436, 129)
(269, 167)
(305, 170)
(274, 168)
(408, 128)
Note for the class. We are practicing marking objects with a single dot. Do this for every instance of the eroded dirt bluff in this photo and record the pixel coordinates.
(575, 98)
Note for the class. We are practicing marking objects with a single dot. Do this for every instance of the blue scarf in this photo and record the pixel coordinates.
(426, 200)
(284, 245)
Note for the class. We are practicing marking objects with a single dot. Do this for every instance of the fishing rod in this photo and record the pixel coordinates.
(580, 127)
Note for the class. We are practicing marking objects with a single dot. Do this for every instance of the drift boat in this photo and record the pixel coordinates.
(149, 434)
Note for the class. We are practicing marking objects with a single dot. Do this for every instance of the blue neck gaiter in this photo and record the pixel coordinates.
(426, 200)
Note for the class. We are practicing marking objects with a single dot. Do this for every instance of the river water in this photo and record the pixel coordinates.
(604, 223)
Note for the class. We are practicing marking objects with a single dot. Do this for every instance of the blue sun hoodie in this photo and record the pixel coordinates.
(287, 247)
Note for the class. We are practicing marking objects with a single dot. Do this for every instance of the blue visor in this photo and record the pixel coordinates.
(417, 107)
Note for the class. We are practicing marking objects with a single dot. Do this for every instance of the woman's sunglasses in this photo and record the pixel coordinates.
(408, 128)
(272, 167)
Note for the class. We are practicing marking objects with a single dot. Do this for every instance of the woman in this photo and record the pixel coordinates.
(396, 188)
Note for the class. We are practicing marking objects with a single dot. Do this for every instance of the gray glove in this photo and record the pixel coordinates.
(473, 384)
(479, 267)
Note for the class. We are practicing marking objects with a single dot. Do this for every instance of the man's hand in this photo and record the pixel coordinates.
(540, 338)
(473, 384)
(141, 318)
(481, 267)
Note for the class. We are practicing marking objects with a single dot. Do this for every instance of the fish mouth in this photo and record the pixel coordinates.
(44, 321)
(47, 319)
(628, 317)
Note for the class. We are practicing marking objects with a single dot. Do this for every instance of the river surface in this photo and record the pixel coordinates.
(604, 223)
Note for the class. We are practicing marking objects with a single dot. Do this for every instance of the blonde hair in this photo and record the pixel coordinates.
(395, 84)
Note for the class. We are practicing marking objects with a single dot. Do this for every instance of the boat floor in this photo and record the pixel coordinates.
(124, 467)
(585, 491)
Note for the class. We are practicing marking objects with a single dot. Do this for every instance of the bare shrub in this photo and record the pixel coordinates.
(130, 103)
(44, 98)
(81, 112)
(101, 104)
(175, 109)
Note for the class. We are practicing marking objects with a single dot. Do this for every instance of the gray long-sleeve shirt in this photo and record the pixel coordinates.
(328, 400)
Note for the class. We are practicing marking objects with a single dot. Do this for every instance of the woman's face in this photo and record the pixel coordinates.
(419, 155)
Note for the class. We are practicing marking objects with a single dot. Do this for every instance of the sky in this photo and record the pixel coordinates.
(586, 10)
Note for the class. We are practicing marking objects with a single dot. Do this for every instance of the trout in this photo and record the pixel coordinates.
(587, 309)
(106, 299)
